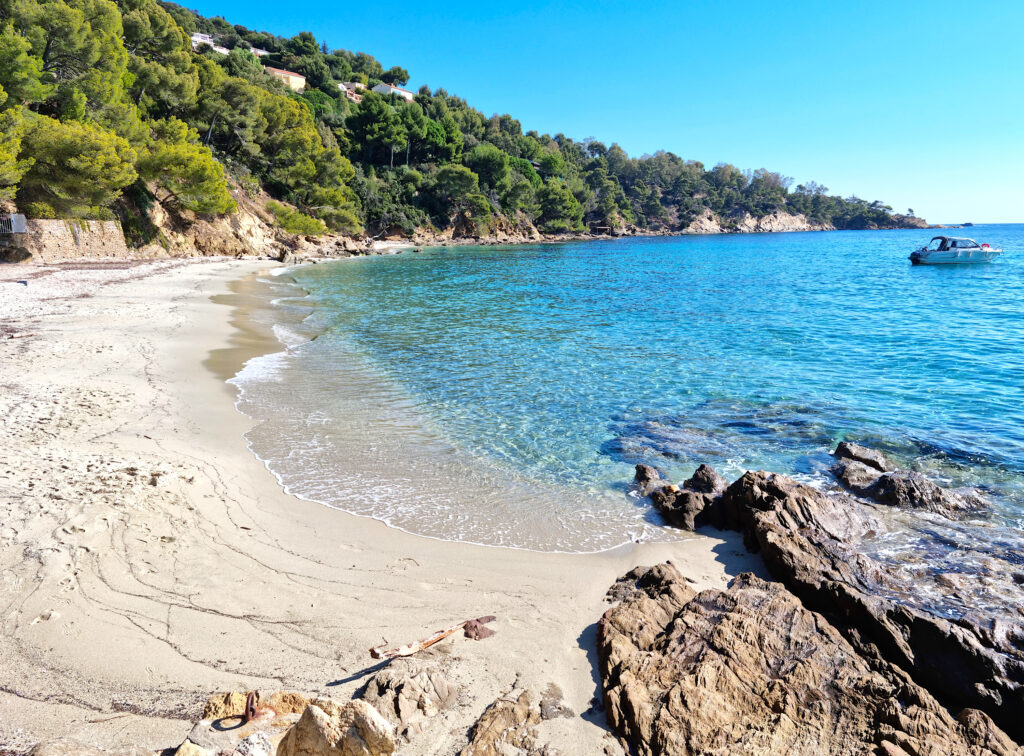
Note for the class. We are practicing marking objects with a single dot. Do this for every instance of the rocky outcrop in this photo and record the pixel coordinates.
(751, 670)
(774, 223)
(407, 692)
(809, 539)
(683, 507)
(330, 728)
(709, 223)
(867, 472)
(508, 727)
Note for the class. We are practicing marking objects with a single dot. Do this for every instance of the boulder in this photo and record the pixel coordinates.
(508, 727)
(857, 453)
(648, 479)
(809, 541)
(855, 476)
(751, 670)
(868, 473)
(407, 691)
(684, 507)
(913, 490)
(330, 728)
(705, 480)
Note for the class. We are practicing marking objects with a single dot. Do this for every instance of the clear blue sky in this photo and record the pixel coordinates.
(918, 104)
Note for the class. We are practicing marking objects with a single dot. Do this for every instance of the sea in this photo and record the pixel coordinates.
(502, 395)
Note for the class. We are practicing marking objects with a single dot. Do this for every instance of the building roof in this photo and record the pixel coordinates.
(397, 89)
(282, 71)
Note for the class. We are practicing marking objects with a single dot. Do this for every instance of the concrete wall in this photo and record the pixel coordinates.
(51, 241)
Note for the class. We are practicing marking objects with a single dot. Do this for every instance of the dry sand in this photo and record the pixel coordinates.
(147, 559)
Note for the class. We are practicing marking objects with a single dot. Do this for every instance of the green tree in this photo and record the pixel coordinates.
(395, 76)
(77, 167)
(560, 211)
(20, 72)
(12, 165)
(164, 79)
(78, 42)
(489, 163)
(376, 129)
(187, 171)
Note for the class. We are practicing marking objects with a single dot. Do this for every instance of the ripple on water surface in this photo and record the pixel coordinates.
(502, 395)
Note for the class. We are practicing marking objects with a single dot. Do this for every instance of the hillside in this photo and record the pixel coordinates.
(114, 108)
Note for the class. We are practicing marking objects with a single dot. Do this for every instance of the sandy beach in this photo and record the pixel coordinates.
(148, 559)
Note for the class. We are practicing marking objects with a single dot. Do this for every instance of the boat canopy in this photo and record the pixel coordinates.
(955, 242)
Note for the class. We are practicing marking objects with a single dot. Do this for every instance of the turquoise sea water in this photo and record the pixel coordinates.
(503, 395)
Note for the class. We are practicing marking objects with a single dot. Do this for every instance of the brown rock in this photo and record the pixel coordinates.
(914, 490)
(648, 480)
(750, 670)
(856, 476)
(808, 540)
(508, 728)
(682, 508)
(408, 691)
(706, 480)
(330, 728)
(687, 507)
(857, 453)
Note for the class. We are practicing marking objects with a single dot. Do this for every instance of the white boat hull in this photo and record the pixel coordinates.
(953, 256)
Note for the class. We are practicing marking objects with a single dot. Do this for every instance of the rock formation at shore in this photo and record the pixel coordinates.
(395, 708)
(751, 670)
(811, 542)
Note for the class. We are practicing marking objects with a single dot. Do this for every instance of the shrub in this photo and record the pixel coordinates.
(294, 222)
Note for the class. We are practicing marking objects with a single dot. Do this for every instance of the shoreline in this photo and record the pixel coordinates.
(140, 598)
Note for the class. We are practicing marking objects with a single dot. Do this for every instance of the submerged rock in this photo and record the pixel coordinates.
(870, 457)
(868, 473)
(750, 670)
(914, 490)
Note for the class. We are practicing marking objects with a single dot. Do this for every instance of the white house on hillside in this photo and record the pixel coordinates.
(351, 90)
(386, 89)
(207, 39)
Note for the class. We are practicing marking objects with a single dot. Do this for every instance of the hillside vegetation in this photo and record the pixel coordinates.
(105, 108)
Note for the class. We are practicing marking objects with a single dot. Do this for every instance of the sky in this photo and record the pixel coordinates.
(917, 104)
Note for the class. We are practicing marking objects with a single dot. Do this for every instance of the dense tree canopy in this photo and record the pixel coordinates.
(102, 97)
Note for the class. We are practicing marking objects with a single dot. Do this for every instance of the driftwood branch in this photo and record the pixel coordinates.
(473, 628)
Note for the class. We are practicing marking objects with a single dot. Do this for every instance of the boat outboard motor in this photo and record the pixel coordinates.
(13, 238)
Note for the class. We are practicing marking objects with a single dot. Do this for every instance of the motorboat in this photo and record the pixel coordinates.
(946, 250)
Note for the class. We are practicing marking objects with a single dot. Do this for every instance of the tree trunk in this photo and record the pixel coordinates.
(209, 132)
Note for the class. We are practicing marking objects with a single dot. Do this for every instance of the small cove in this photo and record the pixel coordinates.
(502, 395)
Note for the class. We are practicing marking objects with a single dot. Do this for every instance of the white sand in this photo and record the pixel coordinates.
(147, 559)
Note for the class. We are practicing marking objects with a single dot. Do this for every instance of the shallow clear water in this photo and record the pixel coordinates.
(502, 395)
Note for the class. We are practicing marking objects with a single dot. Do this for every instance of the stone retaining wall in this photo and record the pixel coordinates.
(51, 241)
